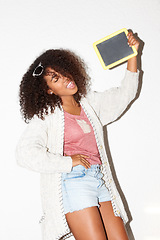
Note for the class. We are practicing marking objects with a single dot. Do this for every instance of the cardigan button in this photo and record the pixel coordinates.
(100, 147)
(118, 212)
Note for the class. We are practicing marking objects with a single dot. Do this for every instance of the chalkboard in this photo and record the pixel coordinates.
(114, 49)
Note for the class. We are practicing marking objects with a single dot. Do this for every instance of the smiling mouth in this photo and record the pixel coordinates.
(71, 85)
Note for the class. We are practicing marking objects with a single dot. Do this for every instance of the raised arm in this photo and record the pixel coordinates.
(110, 104)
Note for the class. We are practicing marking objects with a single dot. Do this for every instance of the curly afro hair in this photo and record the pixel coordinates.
(34, 99)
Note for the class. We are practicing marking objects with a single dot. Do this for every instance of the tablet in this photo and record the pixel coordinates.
(114, 49)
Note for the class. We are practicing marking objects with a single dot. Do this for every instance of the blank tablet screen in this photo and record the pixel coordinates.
(114, 49)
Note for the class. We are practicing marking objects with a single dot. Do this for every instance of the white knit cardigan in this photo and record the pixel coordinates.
(41, 149)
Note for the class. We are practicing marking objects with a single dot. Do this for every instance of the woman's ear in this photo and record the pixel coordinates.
(50, 92)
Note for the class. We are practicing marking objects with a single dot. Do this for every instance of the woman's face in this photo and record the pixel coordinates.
(58, 84)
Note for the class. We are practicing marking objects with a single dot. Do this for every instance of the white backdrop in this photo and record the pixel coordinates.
(29, 27)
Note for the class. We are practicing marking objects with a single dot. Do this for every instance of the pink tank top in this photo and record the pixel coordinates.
(79, 137)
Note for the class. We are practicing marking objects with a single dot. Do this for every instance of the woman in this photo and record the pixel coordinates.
(64, 142)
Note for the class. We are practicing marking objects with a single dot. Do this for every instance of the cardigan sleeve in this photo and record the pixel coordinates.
(110, 104)
(32, 151)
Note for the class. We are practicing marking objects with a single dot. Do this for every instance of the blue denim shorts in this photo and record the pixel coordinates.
(83, 188)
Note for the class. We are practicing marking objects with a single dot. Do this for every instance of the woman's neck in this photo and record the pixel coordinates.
(69, 101)
(71, 106)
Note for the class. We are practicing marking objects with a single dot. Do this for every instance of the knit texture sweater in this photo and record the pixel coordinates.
(40, 149)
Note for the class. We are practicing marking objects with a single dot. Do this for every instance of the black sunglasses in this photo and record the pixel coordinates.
(38, 70)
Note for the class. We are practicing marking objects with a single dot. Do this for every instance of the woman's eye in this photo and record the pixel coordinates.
(56, 79)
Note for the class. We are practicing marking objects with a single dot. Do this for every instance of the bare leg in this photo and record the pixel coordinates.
(114, 225)
(86, 224)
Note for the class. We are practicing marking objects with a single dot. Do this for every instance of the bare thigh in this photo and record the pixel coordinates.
(86, 224)
(114, 226)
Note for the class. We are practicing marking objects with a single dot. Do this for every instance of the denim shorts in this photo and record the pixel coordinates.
(83, 188)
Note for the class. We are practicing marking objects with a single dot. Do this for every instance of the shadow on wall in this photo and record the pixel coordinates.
(128, 228)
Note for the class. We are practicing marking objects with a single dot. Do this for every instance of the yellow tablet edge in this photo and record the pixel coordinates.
(119, 61)
(111, 35)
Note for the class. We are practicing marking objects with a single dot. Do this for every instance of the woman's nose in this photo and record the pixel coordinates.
(65, 79)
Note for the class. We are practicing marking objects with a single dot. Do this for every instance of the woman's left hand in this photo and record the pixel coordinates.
(132, 62)
(132, 41)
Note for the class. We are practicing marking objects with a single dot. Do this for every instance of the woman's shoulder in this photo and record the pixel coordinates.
(92, 96)
(42, 121)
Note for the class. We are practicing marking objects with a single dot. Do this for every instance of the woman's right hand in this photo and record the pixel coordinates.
(79, 159)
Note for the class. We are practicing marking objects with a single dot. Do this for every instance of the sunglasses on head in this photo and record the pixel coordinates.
(38, 70)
